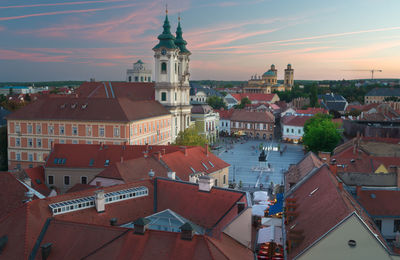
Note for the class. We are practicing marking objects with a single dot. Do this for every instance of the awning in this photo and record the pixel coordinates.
(269, 234)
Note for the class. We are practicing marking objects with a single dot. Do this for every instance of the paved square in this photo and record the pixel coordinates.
(245, 167)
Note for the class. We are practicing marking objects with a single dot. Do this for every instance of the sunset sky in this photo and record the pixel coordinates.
(229, 40)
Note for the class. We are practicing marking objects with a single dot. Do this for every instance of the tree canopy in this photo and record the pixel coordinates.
(321, 134)
(245, 101)
(216, 102)
(190, 137)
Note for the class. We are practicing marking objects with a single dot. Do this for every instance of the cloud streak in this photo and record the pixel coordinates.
(65, 12)
(61, 4)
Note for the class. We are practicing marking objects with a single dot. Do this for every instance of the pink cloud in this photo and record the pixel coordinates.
(26, 56)
(65, 12)
(61, 4)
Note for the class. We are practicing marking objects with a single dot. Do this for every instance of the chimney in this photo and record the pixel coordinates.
(340, 186)
(325, 156)
(113, 221)
(101, 145)
(206, 146)
(29, 196)
(122, 159)
(140, 225)
(163, 151)
(28, 182)
(187, 231)
(46, 249)
(240, 206)
(205, 183)
(358, 191)
(333, 168)
(99, 200)
(159, 156)
(151, 173)
(171, 175)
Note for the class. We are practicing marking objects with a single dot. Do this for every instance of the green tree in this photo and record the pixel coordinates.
(245, 101)
(321, 134)
(216, 102)
(27, 98)
(190, 137)
(314, 96)
(3, 149)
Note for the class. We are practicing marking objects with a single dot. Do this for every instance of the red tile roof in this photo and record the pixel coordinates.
(131, 90)
(312, 110)
(12, 193)
(296, 120)
(195, 158)
(252, 116)
(38, 180)
(80, 187)
(207, 208)
(135, 169)
(254, 97)
(380, 202)
(224, 114)
(298, 171)
(80, 155)
(322, 210)
(90, 109)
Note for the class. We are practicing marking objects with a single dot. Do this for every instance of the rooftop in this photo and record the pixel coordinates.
(384, 92)
(252, 116)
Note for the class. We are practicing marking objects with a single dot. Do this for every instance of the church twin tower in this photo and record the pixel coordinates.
(172, 76)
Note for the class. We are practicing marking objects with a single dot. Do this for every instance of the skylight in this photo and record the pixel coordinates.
(212, 165)
(107, 163)
(192, 170)
(311, 193)
(91, 162)
(89, 202)
(205, 166)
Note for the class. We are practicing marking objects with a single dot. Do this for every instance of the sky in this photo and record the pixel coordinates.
(44, 40)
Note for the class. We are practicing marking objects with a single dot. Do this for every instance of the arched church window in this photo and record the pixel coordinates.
(164, 67)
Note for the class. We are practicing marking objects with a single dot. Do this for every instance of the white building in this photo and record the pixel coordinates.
(206, 121)
(141, 72)
(293, 128)
(225, 120)
(172, 77)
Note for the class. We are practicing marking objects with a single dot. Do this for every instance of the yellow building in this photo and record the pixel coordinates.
(268, 82)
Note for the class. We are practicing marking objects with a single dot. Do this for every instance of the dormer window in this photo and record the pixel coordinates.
(107, 163)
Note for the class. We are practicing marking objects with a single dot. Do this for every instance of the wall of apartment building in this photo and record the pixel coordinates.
(221, 177)
(374, 99)
(75, 176)
(29, 142)
(256, 130)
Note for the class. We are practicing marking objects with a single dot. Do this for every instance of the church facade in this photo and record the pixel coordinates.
(268, 82)
(171, 75)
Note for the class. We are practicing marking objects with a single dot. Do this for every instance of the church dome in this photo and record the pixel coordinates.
(269, 73)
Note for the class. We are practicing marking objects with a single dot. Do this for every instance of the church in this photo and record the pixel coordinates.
(268, 82)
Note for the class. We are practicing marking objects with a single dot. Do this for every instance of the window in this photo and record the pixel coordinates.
(224, 179)
(176, 96)
(141, 79)
(287, 130)
(74, 141)
(396, 225)
(216, 182)
(107, 163)
(175, 69)
(17, 141)
(75, 130)
(84, 180)
(299, 131)
(39, 143)
(378, 223)
(30, 142)
(164, 68)
(29, 129)
(67, 180)
(135, 130)
(17, 128)
(18, 157)
(30, 157)
(51, 129)
(62, 141)
(130, 78)
(38, 129)
(62, 130)
(101, 131)
(116, 131)
(50, 179)
(88, 130)
(149, 79)
(88, 142)
(292, 130)
(163, 96)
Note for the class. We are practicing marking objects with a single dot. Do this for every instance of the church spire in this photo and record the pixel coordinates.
(166, 38)
(179, 41)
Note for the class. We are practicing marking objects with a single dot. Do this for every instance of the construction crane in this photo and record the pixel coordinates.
(372, 72)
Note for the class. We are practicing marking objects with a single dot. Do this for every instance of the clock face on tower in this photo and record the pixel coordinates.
(163, 51)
